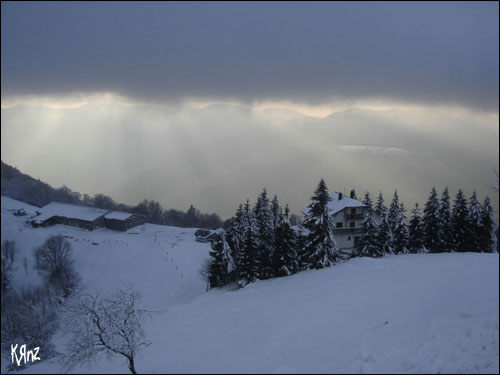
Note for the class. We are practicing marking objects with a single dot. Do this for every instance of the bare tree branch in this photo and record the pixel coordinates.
(110, 324)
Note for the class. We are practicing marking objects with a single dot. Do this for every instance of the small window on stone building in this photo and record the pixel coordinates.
(339, 224)
(349, 238)
(352, 224)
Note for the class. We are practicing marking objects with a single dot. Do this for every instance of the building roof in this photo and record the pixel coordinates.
(69, 211)
(336, 205)
(117, 215)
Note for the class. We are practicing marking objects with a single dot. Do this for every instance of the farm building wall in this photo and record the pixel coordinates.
(123, 225)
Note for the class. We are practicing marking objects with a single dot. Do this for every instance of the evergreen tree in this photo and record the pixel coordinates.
(431, 223)
(380, 208)
(384, 236)
(460, 224)
(276, 213)
(487, 237)
(474, 223)
(249, 266)
(285, 258)
(320, 248)
(236, 235)
(221, 264)
(394, 212)
(368, 245)
(301, 240)
(264, 235)
(444, 214)
(367, 201)
(416, 233)
(400, 232)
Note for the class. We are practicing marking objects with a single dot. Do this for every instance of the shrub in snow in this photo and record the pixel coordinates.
(54, 260)
(30, 318)
(7, 265)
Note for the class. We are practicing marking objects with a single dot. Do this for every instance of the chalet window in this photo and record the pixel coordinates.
(349, 238)
(339, 224)
(352, 224)
(353, 210)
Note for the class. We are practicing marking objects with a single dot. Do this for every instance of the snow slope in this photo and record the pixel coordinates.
(160, 261)
(424, 313)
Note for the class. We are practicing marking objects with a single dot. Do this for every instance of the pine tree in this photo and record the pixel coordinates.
(400, 232)
(264, 235)
(285, 258)
(236, 235)
(460, 224)
(221, 264)
(368, 245)
(380, 208)
(248, 265)
(383, 236)
(474, 223)
(394, 212)
(487, 237)
(444, 214)
(367, 201)
(416, 233)
(276, 213)
(431, 223)
(320, 248)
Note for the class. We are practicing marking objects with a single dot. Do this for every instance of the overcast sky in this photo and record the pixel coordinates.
(423, 78)
(429, 53)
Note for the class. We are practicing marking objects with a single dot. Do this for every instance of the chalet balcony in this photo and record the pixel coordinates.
(354, 216)
(347, 230)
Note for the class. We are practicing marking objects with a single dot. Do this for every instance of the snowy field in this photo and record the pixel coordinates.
(428, 313)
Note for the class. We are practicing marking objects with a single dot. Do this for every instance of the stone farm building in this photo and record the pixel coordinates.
(86, 217)
(122, 220)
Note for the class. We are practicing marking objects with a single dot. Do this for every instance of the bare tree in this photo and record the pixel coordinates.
(55, 262)
(495, 185)
(110, 324)
(7, 264)
(25, 265)
(9, 249)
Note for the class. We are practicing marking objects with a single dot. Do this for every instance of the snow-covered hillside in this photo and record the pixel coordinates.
(162, 262)
(425, 313)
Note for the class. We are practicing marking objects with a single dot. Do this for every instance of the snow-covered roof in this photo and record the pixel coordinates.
(336, 205)
(69, 211)
(118, 215)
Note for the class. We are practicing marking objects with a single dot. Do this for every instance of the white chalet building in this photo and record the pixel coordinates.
(347, 215)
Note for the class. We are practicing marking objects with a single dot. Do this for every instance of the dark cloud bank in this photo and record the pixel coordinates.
(428, 53)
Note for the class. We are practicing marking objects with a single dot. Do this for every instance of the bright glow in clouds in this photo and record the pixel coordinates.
(76, 100)
(216, 155)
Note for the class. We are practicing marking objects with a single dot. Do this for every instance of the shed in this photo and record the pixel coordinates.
(123, 220)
